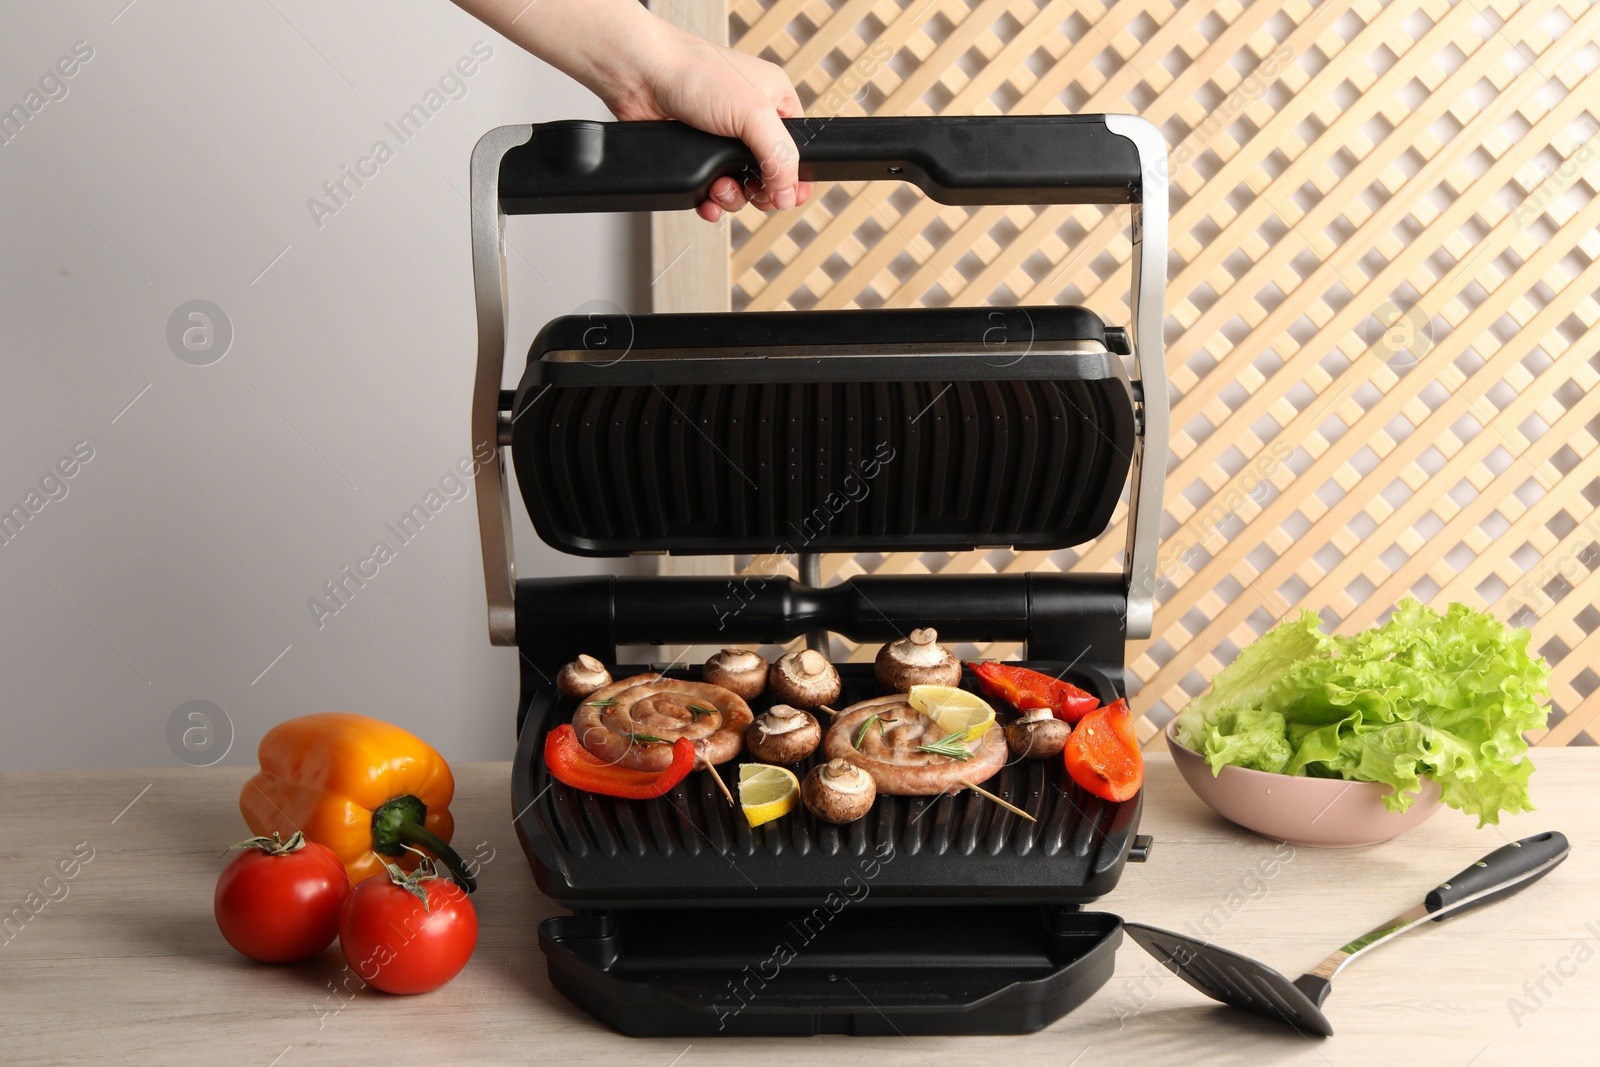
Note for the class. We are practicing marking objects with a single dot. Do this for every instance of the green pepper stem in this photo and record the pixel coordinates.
(414, 834)
(400, 821)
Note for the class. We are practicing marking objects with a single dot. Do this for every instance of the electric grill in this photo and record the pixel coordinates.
(809, 432)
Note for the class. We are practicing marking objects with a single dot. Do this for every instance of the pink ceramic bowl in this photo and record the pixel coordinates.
(1327, 812)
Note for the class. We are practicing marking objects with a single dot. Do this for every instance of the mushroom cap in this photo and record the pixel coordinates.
(737, 669)
(783, 734)
(838, 791)
(1036, 736)
(581, 677)
(804, 679)
(917, 659)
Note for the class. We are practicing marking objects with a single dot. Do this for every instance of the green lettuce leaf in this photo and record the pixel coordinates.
(1242, 687)
(1426, 695)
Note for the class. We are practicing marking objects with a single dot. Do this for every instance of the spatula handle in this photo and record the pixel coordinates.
(1500, 873)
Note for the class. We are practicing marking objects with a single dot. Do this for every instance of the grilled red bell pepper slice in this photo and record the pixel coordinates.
(1024, 689)
(571, 763)
(1103, 753)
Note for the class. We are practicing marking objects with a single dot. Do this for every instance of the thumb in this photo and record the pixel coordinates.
(775, 153)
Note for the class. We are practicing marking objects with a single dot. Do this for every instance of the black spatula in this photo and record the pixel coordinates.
(1243, 983)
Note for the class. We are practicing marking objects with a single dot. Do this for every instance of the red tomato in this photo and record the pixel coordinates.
(392, 942)
(279, 902)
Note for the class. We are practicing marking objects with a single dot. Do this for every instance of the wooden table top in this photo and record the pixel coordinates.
(127, 967)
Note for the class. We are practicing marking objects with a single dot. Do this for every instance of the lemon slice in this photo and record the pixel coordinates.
(766, 792)
(955, 710)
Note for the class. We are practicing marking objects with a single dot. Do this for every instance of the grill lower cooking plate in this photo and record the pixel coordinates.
(691, 847)
(932, 915)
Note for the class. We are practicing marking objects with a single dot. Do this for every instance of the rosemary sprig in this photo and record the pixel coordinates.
(952, 746)
(696, 710)
(606, 703)
(861, 732)
(647, 739)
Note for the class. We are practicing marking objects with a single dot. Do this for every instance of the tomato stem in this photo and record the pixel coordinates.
(400, 822)
(274, 845)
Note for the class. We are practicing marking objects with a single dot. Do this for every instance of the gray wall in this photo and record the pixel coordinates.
(178, 166)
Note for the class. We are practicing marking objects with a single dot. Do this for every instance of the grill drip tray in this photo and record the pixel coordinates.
(840, 967)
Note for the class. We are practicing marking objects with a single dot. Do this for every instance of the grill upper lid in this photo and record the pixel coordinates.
(908, 429)
(586, 166)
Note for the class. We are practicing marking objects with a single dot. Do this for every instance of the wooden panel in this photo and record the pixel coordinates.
(689, 271)
(1382, 291)
(688, 256)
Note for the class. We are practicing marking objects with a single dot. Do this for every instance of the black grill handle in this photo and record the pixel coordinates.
(666, 166)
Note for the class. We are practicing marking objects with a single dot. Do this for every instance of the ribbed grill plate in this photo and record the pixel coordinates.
(924, 429)
(690, 847)
(928, 465)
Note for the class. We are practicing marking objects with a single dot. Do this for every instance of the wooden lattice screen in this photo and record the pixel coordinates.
(1381, 290)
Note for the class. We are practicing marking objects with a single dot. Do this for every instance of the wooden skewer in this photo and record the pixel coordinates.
(1003, 803)
(715, 777)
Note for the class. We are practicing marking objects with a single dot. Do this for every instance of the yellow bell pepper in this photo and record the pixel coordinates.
(362, 787)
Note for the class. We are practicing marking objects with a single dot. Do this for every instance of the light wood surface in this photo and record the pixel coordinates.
(1332, 165)
(128, 967)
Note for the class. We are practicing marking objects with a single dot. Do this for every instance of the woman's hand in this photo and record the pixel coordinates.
(643, 68)
(726, 92)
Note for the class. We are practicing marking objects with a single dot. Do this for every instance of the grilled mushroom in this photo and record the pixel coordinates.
(783, 735)
(804, 679)
(738, 670)
(838, 791)
(581, 677)
(916, 660)
(1037, 735)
